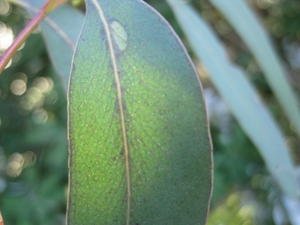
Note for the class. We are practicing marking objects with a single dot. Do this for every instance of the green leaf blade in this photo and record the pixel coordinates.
(241, 97)
(60, 30)
(140, 149)
(254, 35)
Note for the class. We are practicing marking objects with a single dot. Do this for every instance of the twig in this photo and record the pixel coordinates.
(48, 7)
(1, 220)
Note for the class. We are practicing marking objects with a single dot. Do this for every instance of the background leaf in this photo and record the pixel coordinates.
(140, 149)
(60, 31)
(240, 95)
(251, 31)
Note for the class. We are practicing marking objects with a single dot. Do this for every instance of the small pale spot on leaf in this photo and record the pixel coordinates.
(119, 35)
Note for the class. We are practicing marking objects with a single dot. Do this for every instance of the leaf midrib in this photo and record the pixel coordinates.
(120, 104)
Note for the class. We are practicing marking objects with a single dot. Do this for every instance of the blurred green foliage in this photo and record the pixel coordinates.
(33, 144)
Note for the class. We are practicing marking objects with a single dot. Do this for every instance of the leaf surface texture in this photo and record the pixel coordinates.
(139, 142)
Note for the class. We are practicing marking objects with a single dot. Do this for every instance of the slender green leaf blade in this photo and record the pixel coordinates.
(139, 144)
(60, 30)
(249, 28)
(240, 95)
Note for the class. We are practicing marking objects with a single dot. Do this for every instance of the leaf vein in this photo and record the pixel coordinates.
(120, 104)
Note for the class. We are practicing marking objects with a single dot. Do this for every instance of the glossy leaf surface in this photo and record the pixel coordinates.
(139, 143)
(249, 28)
(240, 95)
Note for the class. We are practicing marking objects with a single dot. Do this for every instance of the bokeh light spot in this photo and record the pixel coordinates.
(18, 87)
(15, 165)
(6, 36)
(40, 116)
(4, 8)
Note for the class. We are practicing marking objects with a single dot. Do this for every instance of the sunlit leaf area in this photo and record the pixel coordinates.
(33, 121)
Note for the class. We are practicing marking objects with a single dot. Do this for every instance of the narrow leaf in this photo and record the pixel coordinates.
(240, 95)
(60, 31)
(139, 144)
(249, 28)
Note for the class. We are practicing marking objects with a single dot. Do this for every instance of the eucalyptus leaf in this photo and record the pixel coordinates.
(240, 95)
(249, 28)
(139, 142)
(60, 30)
